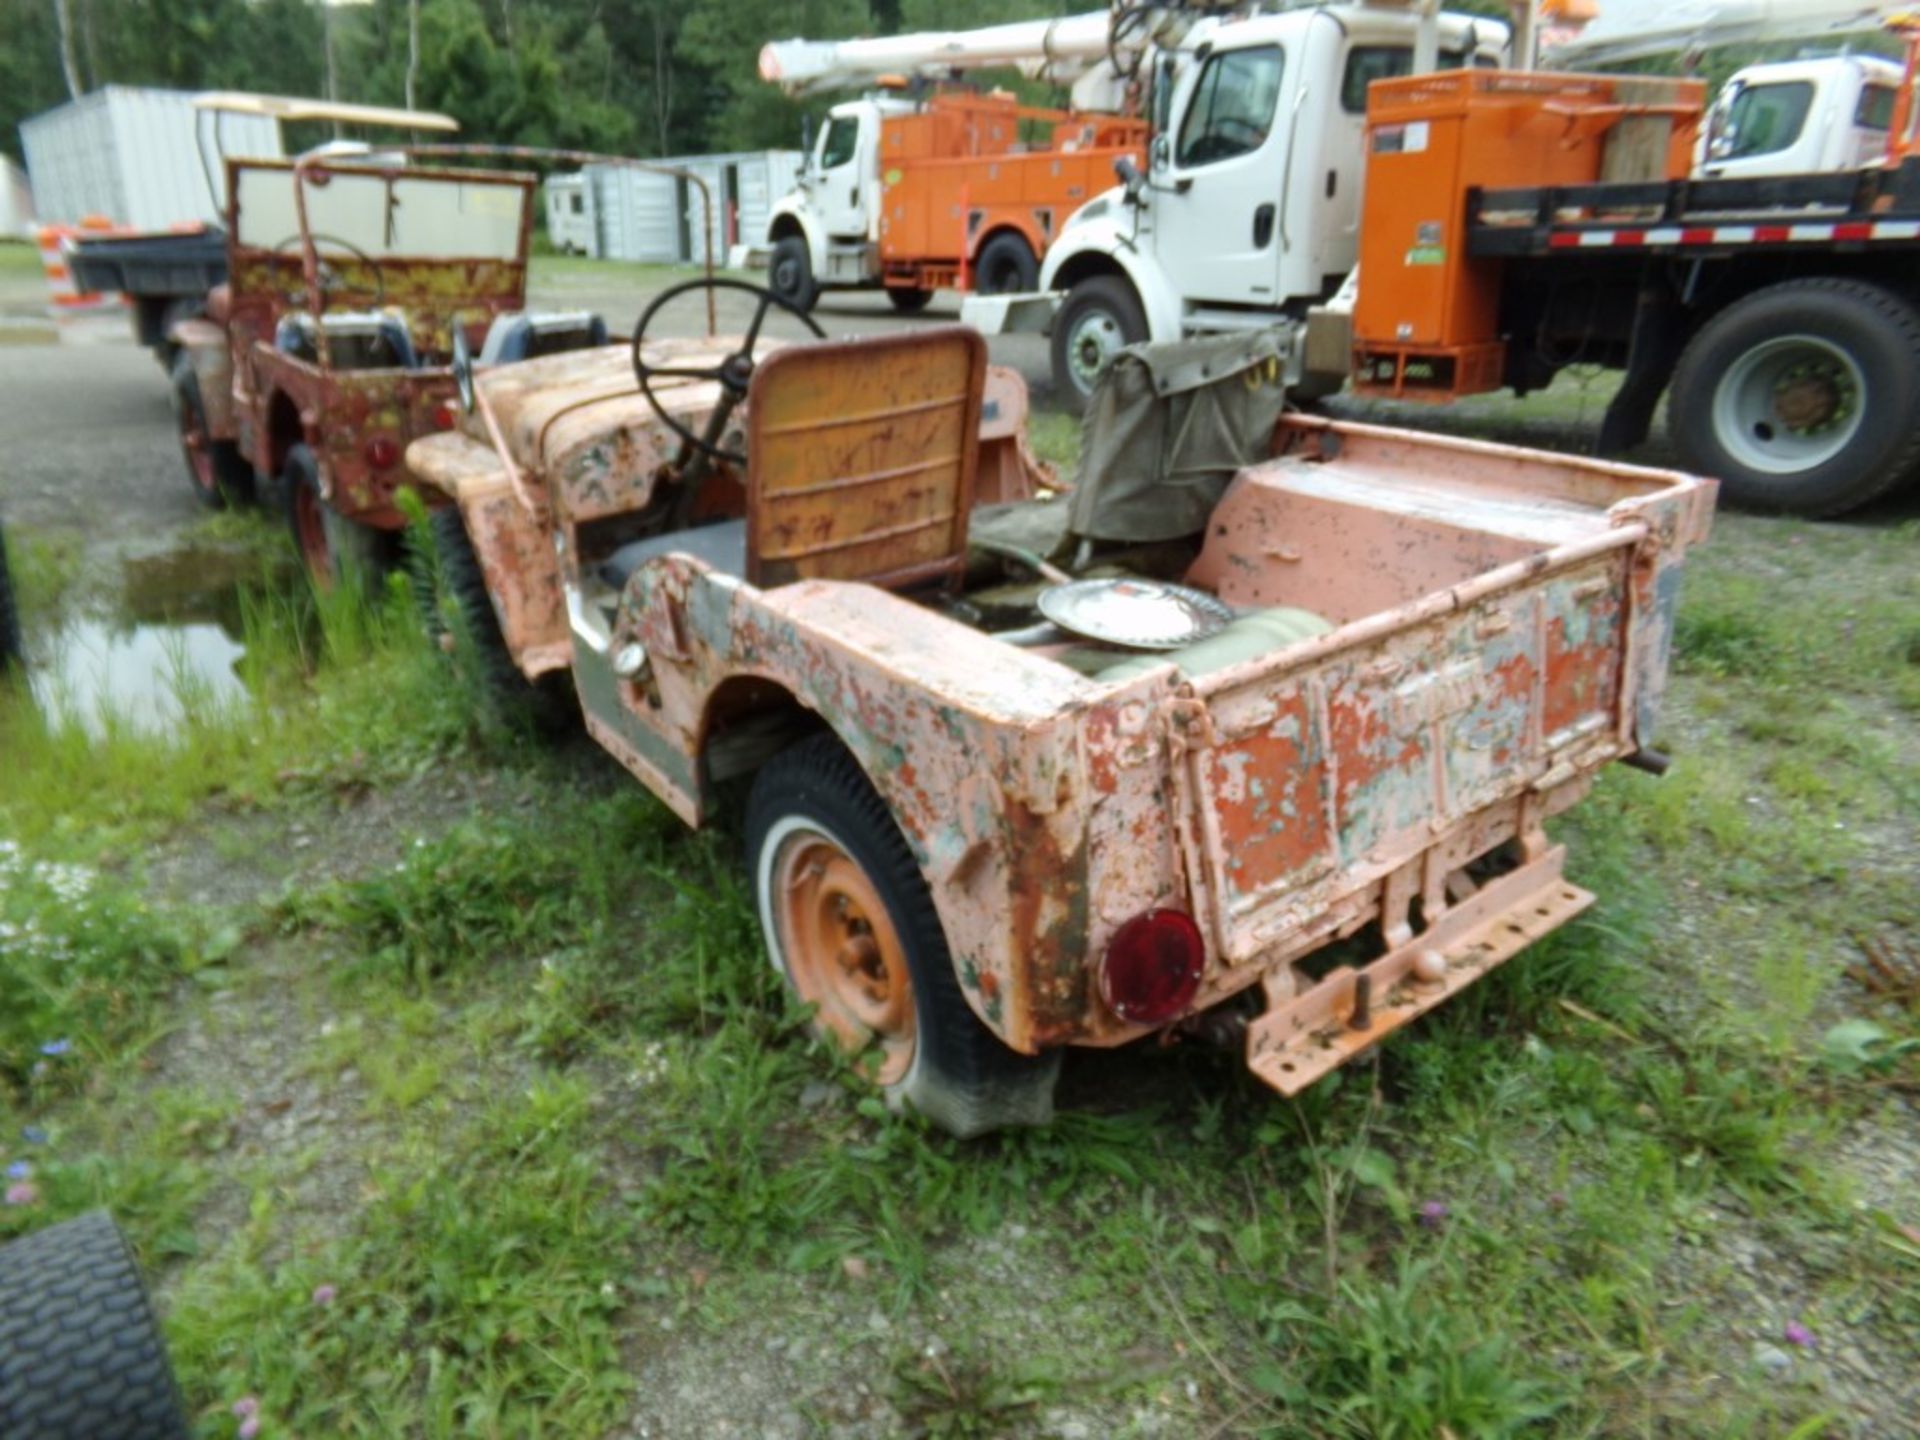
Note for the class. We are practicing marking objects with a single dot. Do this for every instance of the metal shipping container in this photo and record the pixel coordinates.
(659, 219)
(635, 214)
(132, 155)
(16, 203)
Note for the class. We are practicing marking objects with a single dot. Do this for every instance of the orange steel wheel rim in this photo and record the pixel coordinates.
(842, 951)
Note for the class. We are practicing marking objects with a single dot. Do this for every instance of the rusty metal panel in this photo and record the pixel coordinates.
(864, 470)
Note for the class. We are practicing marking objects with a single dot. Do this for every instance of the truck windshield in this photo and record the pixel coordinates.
(1764, 118)
(840, 141)
(1232, 106)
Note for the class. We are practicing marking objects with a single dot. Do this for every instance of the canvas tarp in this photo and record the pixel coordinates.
(1167, 427)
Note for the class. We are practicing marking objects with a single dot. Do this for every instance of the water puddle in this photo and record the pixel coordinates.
(167, 646)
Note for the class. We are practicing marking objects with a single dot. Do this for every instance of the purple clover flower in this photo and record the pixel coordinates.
(324, 1294)
(22, 1192)
(249, 1428)
(246, 1407)
(1434, 1213)
(1797, 1334)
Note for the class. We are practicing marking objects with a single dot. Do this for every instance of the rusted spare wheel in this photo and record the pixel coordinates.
(850, 925)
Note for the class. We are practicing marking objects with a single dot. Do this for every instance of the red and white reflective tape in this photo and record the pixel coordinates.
(1820, 233)
(65, 295)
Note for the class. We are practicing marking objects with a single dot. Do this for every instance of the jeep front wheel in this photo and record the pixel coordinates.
(851, 926)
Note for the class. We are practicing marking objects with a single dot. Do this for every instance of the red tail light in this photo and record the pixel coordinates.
(1152, 967)
(382, 453)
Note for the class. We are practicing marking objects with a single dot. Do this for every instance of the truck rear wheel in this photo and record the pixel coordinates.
(1803, 397)
(215, 468)
(1101, 317)
(80, 1354)
(790, 273)
(1006, 266)
(850, 925)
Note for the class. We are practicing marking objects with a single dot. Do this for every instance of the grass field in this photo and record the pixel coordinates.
(444, 1089)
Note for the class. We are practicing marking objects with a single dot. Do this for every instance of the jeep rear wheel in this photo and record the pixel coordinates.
(215, 469)
(851, 926)
(331, 546)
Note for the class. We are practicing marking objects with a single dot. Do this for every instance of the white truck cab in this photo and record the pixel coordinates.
(1249, 211)
(1796, 117)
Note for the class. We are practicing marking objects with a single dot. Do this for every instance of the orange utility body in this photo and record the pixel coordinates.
(967, 167)
(1427, 305)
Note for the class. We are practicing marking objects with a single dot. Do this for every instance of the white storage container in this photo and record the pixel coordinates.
(133, 156)
(16, 203)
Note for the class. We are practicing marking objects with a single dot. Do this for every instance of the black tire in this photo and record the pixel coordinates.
(1006, 266)
(545, 706)
(11, 647)
(331, 547)
(217, 473)
(790, 273)
(1101, 314)
(80, 1355)
(909, 302)
(1861, 347)
(962, 1077)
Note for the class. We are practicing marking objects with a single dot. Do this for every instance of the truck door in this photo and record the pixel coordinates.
(842, 164)
(1222, 172)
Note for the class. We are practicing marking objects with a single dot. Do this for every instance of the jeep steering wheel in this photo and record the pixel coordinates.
(733, 374)
(320, 263)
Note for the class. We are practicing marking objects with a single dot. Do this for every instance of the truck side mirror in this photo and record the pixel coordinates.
(1130, 177)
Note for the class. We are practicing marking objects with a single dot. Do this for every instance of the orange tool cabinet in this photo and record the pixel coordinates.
(1426, 322)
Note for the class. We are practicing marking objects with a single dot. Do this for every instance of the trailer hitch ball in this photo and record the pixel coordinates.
(1152, 967)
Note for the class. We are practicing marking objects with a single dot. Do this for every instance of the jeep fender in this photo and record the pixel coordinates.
(205, 345)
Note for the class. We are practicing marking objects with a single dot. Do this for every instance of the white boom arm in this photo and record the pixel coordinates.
(1059, 49)
(1633, 29)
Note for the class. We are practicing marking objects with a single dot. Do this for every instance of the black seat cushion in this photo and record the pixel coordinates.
(721, 546)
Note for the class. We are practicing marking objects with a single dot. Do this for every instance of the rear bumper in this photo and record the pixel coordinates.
(1028, 314)
(1301, 1038)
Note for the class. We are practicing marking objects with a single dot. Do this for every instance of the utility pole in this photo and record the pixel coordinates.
(63, 21)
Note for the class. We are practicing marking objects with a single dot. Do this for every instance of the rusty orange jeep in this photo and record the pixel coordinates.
(999, 808)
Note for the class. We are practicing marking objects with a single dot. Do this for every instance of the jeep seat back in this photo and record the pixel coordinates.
(861, 458)
(527, 335)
